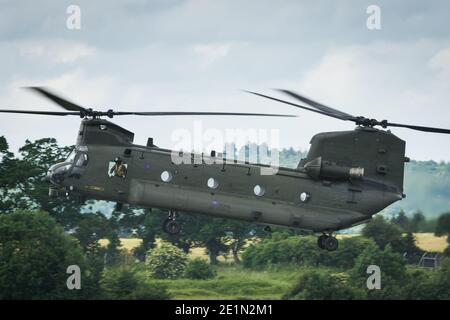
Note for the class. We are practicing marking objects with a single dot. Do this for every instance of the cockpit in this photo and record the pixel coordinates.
(78, 156)
(71, 156)
(73, 167)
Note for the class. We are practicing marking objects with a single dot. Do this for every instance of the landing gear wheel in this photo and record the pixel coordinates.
(171, 226)
(321, 240)
(331, 243)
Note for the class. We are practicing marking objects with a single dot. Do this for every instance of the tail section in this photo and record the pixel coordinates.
(380, 155)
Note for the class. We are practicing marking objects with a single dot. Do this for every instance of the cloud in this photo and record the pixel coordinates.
(54, 51)
(210, 53)
(440, 62)
(77, 86)
(196, 55)
(388, 80)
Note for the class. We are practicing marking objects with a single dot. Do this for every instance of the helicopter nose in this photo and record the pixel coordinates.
(56, 173)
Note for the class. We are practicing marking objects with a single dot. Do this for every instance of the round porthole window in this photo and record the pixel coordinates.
(166, 176)
(259, 190)
(213, 183)
(304, 197)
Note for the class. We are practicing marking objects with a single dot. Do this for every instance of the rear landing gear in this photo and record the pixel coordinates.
(170, 225)
(327, 242)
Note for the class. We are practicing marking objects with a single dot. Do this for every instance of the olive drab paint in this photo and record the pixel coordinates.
(346, 178)
(358, 173)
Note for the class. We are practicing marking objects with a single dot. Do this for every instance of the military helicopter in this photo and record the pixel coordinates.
(346, 178)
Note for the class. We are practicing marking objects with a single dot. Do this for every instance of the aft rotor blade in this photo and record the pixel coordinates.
(68, 105)
(296, 105)
(46, 113)
(317, 105)
(419, 128)
(176, 113)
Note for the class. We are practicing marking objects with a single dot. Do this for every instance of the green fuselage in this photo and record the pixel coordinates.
(332, 204)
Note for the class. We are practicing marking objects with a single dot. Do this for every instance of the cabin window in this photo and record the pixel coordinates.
(166, 176)
(117, 168)
(259, 190)
(304, 197)
(213, 183)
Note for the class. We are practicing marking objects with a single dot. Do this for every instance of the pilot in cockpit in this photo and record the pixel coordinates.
(119, 169)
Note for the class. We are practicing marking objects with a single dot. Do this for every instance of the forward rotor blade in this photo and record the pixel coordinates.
(419, 128)
(317, 105)
(58, 100)
(297, 105)
(180, 113)
(47, 113)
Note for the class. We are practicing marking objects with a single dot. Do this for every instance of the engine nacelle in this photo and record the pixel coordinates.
(317, 169)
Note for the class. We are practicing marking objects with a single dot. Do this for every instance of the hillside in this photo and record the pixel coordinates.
(427, 188)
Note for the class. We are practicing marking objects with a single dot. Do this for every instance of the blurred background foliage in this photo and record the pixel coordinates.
(125, 255)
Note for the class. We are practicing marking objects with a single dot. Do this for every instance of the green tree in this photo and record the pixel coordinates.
(324, 285)
(112, 252)
(416, 221)
(3, 146)
(191, 227)
(119, 283)
(443, 226)
(281, 250)
(421, 284)
(199, 269)
(411, 251)
(34, 256)
(349, 250)
(238, 233)
(212, 235)
(401, 220)
(124, 283)
(392, 267)
(144, 223)
(90, 228)
(442, 283)
(21, 185)
(166, 262)
(384, 233)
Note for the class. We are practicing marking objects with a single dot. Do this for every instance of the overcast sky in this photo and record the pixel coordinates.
(198, 55)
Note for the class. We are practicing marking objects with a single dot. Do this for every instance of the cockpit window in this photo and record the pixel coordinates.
(82, 160)
(71, 156)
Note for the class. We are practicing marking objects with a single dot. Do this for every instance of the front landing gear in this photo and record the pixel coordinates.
(170, 225)
(327, 242)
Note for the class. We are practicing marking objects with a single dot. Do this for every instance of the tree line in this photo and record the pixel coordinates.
(41, 236)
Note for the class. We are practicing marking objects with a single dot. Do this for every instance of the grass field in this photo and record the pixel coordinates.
(125, 243)
(425, 241)
(429, 242)
(235, 282)
(131, 243)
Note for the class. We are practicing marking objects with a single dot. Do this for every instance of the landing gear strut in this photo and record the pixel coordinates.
(170, 225)
(327, 242)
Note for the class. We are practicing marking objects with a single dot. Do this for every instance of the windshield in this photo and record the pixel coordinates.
(82, 160)
(71, 156)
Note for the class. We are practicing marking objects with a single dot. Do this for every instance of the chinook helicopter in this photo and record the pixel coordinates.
(346, 178)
